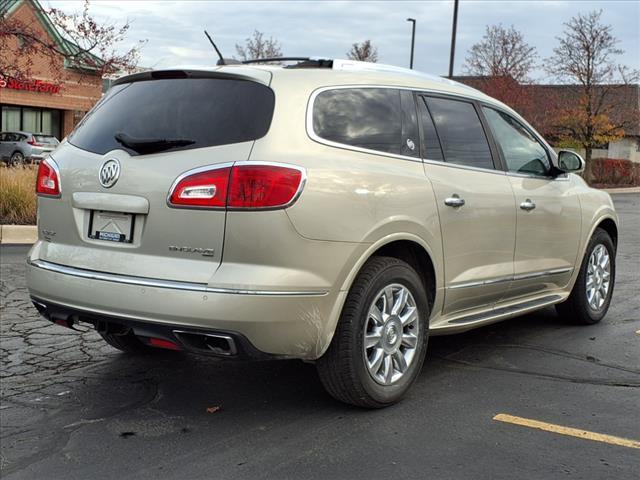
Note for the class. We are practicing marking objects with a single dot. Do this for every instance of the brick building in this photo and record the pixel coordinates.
(51, 102)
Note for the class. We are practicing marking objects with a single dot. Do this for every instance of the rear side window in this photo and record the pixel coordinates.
(460, 131)
(381, 119)
(199, 112)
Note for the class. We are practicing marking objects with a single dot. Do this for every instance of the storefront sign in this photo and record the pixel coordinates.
(30, 85)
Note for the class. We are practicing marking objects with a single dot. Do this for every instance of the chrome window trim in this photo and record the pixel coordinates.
(219, 166)
(464, 167)
(316, 138)
(158, 283)
(524, 276)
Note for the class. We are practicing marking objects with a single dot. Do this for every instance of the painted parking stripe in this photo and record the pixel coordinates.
(573, 432)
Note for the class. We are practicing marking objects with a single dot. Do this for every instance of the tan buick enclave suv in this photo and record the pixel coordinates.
(328, 210)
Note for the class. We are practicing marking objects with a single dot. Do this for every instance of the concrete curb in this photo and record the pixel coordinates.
(25, 234)
(622, 190)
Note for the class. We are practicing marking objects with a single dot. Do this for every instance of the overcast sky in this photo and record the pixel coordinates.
(328, 28)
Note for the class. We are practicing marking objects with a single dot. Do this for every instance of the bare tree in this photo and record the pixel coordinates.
(257, 46)
(364, 52)
(502, 52)
(586, 55)
(80, 40)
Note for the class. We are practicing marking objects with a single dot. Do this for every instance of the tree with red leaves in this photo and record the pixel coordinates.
(77, 40)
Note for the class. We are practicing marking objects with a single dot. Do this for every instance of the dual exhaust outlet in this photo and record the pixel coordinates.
(218, 344)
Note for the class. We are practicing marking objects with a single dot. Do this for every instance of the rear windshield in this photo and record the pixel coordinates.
(204, 112)
(46, 139)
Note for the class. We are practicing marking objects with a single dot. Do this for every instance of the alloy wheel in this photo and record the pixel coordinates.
(598, 277)
(391, 334)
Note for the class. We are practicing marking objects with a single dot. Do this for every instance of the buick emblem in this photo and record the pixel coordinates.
(109, 173)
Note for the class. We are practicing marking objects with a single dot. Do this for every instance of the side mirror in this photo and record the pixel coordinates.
(569, 161)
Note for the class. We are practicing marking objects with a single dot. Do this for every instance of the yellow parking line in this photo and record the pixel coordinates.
(573, 432)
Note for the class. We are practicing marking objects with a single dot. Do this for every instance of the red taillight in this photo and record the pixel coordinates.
(263, 186)
(48, 180)
(31, 141)
(202, 189)
(243, 186)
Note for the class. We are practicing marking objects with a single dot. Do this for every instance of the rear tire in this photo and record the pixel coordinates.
(372, 327)
(587, 303)
(128, 343)
(17, 158)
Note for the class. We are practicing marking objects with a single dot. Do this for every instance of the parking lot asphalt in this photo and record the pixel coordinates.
(529, 398)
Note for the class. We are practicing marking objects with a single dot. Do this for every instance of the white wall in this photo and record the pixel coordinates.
(626, 148)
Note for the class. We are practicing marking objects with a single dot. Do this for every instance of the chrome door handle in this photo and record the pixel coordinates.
(527, 205)
(454, 201)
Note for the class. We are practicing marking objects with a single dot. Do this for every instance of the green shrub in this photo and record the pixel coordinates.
(17, 195)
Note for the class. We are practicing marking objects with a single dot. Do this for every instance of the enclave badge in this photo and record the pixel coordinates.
(109, 173)
(206, 252)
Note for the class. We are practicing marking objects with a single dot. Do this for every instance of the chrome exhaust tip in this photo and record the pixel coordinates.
(207, 343)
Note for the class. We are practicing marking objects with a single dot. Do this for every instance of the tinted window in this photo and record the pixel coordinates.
(207, 111)
(521, 151)
(460, 132)
(46, 139)
(372, 118)
(431, 144)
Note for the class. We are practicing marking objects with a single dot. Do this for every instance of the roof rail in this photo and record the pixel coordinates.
(276, 59)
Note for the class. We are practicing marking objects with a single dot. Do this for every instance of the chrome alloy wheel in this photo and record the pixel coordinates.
(391, 334)
(598, 277)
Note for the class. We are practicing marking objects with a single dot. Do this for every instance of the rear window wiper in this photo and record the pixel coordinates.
(151, 145)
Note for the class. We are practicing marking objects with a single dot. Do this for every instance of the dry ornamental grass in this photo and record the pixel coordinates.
(17, 195)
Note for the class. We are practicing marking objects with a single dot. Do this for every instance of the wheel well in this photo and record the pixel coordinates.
(416, 256)
(610, 227)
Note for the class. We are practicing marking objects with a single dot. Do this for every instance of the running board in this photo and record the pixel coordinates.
(505, 311)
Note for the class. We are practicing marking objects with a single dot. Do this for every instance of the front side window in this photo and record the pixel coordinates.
(381, 119)
(460, 131)
(520, 149)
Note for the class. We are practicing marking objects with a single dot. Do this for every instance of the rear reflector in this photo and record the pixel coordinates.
(48, 179)
(243, 186)
(162, 343)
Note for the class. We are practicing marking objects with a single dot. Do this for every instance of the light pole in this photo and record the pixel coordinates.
(453, 38)
(413, 38)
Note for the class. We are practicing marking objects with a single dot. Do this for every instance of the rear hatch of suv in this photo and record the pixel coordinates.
(118, 167)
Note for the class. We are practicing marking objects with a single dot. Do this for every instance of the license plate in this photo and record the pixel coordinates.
(111, 226)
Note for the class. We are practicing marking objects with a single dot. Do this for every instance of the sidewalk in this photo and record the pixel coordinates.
(622, 190)
(18, 233)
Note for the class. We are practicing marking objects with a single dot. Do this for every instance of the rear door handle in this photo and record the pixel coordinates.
(527, 205)
(454, 201)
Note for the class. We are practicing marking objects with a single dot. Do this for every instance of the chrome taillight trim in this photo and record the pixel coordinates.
(194, 171)
(52, 163)
(219, 166)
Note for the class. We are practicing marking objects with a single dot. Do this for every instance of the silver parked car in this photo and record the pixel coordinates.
(332, 211)
(17, 148)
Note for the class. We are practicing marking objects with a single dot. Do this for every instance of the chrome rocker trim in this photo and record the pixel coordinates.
(525, 276)
(158, 283)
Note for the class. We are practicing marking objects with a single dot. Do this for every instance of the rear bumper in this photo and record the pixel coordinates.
(286, 324)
